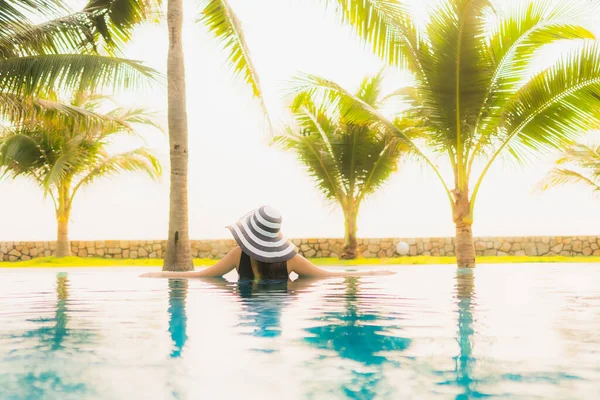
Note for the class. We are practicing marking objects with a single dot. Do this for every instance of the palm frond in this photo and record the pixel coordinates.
(561, 176)
(370, 89)
(311, 151)
(388, 27)
(76, 72)
(522, 30)
(559, 104)
(222, 22)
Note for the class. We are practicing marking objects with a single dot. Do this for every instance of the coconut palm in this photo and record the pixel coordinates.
(347, 159)
(67, 50)
(476, 87)
(64, 157)
(579, 164)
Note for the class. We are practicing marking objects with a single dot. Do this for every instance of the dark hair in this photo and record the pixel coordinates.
(274, 270)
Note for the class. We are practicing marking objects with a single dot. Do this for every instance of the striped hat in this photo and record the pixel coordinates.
(258, 234)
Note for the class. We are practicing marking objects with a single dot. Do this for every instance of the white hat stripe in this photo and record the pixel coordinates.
(258, 228)
(259, 241)
(267, 254)
(268, 224)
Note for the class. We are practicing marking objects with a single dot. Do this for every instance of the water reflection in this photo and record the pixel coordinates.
(178, 289)
(51, 337)
(465, 362)
(262, 303)
(357, 336)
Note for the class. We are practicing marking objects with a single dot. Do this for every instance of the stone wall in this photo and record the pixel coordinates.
(488, 246)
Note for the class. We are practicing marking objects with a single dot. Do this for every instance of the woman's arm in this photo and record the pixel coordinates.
(224, 265)
(305, 268)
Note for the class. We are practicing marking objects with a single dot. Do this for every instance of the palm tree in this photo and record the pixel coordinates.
(222, 22)
(476, 88)
(348, 160)
(66, 51)
(579, 164)
(64, 157)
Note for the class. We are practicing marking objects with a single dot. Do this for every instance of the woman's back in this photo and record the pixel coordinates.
(253, 269)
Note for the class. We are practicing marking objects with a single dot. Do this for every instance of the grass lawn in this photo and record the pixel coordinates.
(52, 262)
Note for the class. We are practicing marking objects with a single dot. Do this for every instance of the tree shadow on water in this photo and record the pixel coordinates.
(358, 336)
(49, 347)
(465, 362)
(178, 289)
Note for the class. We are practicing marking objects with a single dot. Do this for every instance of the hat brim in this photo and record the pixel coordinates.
(262, 248)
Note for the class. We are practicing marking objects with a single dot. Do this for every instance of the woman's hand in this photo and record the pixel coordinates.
(153, 275)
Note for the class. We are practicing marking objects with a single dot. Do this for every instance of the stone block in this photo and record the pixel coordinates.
(13, 258)
(153, 255)
(596, 252)
(373, 248)
(413, 250)
(519, 253)
(47, 253)
(304, 247)
(480, 245)
(587, 251)
(14, 252)
(25, 258)
(100, 252)
(33, 252)
(133, 254)
(530, 250)
(546, 240)
(490, 252)
(505, 248)
(204, 247)
(100, 244)
(542, 248)
(126, 253)
(114, 250)
(577, 246)
(124, 244)
(558, 248)
(83, 253)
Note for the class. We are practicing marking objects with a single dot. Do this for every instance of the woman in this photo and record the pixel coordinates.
(263, 253)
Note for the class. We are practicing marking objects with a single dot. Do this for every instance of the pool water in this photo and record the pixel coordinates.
(428, 332)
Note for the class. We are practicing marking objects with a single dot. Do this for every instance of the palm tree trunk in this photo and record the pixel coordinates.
(350, 245)
(464, 245)
(63, 247)
(178, 256)
(465, 248)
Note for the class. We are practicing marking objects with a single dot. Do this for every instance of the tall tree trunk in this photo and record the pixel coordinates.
(178, 255)
(350, 244)
(63, 246)
(463, 243)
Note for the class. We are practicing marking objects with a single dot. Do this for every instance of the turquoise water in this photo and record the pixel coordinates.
(428, 332)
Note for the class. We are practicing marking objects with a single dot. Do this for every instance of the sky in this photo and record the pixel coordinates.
(233, 169)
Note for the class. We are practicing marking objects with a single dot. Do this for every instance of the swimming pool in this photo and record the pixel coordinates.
(428, 332)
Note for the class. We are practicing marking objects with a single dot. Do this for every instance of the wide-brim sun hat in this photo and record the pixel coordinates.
(258, 233)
